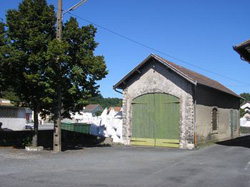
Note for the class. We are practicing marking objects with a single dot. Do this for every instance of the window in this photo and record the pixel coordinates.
(8, 112)
(214, 120)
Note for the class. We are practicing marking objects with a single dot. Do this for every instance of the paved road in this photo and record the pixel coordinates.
(224, 165)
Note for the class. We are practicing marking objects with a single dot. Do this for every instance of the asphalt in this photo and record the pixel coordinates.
(226, 164)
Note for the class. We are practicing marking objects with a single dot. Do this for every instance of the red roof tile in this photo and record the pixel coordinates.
(91, 107)
(116, 109)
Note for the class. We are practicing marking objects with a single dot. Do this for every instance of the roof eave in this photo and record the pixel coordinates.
(118, 85)
(242, 51)
(177, 71)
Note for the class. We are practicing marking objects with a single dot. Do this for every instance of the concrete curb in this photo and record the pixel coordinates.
(31, 148)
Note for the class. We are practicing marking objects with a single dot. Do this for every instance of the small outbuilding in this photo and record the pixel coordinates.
(168, 105)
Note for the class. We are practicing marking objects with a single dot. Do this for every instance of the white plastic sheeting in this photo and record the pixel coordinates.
(109, 124)
(244, 122)
(113, 125)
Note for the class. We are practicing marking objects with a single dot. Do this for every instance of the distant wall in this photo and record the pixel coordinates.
(13, 118)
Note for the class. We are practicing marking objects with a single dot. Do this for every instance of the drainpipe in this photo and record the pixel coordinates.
(195, 140)
(118, 91)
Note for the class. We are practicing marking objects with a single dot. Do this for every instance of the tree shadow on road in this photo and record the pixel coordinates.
(243, 141)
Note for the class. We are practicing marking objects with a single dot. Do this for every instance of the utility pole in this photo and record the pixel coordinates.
(59, 20)
(57, 137)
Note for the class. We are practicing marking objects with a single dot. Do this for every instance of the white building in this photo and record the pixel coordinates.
(87, 114)
(12, 117)
(245, 120)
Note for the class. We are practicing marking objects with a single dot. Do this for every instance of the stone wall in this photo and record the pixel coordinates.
(207, 99)
(204, 131)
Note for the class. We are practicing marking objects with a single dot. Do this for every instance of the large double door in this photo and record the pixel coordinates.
(155, 120)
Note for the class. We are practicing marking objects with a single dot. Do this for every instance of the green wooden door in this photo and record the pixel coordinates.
(143, 131)
(155, 120)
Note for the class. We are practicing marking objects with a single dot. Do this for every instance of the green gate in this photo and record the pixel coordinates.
(155, 120)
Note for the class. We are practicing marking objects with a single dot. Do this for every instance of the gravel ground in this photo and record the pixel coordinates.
(225, 164)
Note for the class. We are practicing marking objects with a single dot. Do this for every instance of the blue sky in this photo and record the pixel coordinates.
(198, 32)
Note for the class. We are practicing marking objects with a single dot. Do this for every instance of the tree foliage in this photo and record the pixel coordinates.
(246, 96)
(106, 102)
(31, 61)
(30, 29)
(79, 67)
(37, 67)
(23, 54)
(2, 54)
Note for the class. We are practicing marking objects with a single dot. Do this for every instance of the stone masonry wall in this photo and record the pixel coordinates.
(156, 78)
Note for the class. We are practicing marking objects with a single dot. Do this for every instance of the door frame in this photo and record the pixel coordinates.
(157, 142)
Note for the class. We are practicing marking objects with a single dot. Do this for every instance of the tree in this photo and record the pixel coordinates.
(23, 55)
(78, 71)
(106, 102)
(246, 96)
(2, 53)
(39, 67)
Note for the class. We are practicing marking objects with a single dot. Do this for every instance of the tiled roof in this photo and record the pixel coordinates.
(193, 77)
(5, 102)
(91, 107)
(245, 102)
(244, 50)
(243, 44)
(116, 108)
(200, 79)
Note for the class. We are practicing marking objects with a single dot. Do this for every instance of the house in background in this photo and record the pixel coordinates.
(92, 109)
(244, 50)
(168, 105)
(245, 120)
(13, 117)
(115, 110)
(86, 115)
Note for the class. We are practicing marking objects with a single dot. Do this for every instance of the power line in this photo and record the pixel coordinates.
(156, 50)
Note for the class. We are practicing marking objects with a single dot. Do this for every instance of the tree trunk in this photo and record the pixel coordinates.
(35, 139)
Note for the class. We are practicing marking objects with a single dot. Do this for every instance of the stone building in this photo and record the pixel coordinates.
(167, 105)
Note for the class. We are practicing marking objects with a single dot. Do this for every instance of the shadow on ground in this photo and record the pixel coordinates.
(238, 142)
(70, 140)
